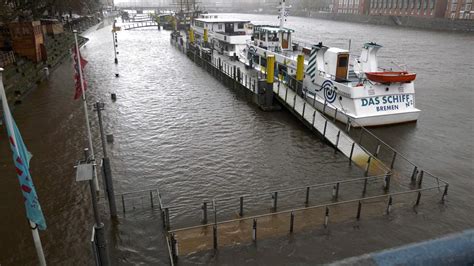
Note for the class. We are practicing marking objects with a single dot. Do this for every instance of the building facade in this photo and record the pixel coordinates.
(453, 9)
(460, 9)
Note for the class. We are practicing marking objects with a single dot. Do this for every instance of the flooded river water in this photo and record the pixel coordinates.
(178, 128)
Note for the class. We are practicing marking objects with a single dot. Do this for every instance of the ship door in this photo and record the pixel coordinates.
(342, 67)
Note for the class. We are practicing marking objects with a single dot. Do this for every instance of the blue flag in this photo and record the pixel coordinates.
(21, 158)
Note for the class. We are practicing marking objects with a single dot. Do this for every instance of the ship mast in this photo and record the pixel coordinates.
(283, 14)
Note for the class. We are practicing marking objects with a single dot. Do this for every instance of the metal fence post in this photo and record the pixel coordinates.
(275, 201)
(389, 205)
(151, 199)
(306, 202)
(377, 150)
(365, 186)
(418, 197)
(359, 209)
(337, 141)
(241, 212)
(393, 160)
(254, 230)
(367, 169)
(335, 191)
(352, 152)
(204, 212)
(123, 204)
(445, 193)
(414, 174)
(304, 107)
(387, 181)
(420, 178)
(294, 102)
(326, 218)
(214, 236)
(167, 219)
(314, 117)
(292, 221)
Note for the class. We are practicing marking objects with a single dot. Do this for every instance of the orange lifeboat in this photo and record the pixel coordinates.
(391, 77)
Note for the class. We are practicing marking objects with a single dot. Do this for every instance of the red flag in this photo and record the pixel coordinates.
(77, 77)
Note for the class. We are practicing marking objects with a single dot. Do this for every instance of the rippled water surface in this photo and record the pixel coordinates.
(178, 128)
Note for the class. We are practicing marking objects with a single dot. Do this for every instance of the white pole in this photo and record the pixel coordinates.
(9, 124)
(91, 148)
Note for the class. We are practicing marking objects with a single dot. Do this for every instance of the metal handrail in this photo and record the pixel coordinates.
(306, 208)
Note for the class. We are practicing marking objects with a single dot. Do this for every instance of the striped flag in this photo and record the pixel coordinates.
(77, 76)
(21, 158)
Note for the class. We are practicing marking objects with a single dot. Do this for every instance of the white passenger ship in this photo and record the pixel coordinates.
(363, 92)
(226, 36)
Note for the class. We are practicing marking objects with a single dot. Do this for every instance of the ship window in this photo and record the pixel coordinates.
(219, 27)
(343, 61)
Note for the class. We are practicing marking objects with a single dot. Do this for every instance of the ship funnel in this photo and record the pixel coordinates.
(368, 58)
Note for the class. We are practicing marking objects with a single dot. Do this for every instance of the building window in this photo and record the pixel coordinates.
(240, 26)
(219, 27)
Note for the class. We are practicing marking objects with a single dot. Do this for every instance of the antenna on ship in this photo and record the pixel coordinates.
(283, 13)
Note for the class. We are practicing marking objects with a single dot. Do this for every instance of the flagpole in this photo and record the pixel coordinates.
(9, 124)
(84, 100)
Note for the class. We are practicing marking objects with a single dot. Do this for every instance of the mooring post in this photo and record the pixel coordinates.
(367, 169)
(420, 178)
(151, 199)
(445, 193)
(204, 212)
(359, 209)
(106, 167)
(389, 205)
(414, 174)
(214, 236)
(275, 200)
(254, 230)
(306, 202)
(292, 221)
(326, 218)
(123, 204)
(387, 181)
(241, 212)
(418, 197)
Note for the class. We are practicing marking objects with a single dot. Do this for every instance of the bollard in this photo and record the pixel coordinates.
(241, 212)
(254, 230)
(365, 186)
(368, 166)
(359, 209)
(445, 193)
(387, 181)
(418, 197)
(326, 218)
(275, 199)
(420, 178)
(352, 152)
(307, 197)
(414, 174)
(292, 221)
(214, 236)
(204, 212)
(389, 205)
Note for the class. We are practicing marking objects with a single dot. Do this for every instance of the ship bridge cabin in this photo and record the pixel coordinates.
(272, 38)
(227, 36)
